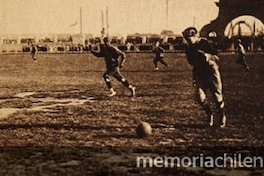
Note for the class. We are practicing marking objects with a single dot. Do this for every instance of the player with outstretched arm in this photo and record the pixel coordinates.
(114, 59)
(206, 75)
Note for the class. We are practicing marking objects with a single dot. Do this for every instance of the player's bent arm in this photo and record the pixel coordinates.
(97, 54)
(242, 49)
(162, 50)
(208, 56)
(122, 56)
(122, 59)
(211, 57)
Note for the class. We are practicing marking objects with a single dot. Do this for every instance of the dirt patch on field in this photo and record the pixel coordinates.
(44, 104)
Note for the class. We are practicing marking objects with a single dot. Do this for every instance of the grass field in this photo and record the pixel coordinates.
(57, 111)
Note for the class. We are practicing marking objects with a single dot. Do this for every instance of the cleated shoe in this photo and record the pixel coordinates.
(247, 69)
(223, 123)
(112, 93)
(211, 120)
(133, 91)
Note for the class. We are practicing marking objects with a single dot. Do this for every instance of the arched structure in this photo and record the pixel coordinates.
(231, 9)
(232, 28)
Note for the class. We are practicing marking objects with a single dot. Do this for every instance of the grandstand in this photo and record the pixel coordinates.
(67, 43)
(78, 43)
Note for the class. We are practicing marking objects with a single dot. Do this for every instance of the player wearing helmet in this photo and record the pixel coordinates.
(203, 57)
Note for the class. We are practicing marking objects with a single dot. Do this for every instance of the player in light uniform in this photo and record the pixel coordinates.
(158, 51)
(203, 57)
(241, 58)
(114, 59)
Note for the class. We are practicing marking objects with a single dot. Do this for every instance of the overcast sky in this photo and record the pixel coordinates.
(125, 16)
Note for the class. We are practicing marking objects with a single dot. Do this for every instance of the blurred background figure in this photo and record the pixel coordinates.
(34, 51)
(241, 58)
(159, 56)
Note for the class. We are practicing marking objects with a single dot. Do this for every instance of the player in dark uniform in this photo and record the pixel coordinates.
(159, 56)
(203, 57)
(241, 58)
(34, 51)
(114, 59)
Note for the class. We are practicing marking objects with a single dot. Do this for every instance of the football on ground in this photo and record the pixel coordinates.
(143, 129)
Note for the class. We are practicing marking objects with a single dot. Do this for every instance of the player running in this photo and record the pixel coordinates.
(158, 51)
(203, 57)
(241, 58)
(114, 59)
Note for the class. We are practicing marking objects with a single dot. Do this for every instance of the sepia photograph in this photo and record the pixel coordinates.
(128, 88)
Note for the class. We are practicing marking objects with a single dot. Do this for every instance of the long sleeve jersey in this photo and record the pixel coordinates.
(241, 50)
(34, 50)
(158, 51)
(112, 55)
(196, 57)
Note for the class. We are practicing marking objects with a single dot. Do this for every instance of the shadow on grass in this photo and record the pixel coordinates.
(118, 136)
(191, 125)
(58, 126)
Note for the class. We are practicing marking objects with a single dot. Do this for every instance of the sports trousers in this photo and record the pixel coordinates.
(34, 56)
(212, 82)
(115, 72)
(241, 59)
(159, 59)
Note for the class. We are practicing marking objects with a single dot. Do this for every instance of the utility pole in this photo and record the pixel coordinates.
(107, 24)
(103, 29)
(167, 13)
(80, 20)
(102, 19)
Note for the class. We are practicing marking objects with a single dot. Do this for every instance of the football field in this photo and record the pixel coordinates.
(55, 116)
